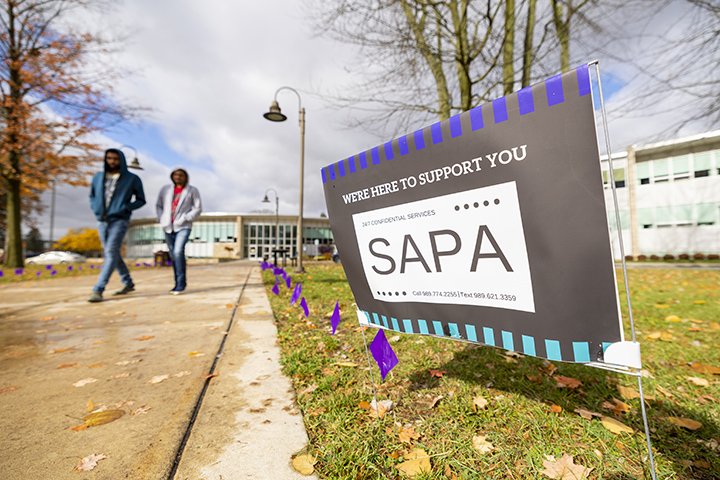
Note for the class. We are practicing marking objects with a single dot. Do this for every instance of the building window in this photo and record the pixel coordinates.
(643, 172)
(702, 164)
(661, 172)
(681, 167)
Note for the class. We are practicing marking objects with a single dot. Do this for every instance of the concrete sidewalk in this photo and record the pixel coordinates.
(148, 355)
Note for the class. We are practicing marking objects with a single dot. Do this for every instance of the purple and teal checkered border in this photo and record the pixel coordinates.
(525, 344)
(439, 132)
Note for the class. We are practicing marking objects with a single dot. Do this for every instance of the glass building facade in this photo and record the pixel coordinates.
(253, 236)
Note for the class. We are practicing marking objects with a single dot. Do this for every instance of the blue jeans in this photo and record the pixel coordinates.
(176, 244)
(111, 236)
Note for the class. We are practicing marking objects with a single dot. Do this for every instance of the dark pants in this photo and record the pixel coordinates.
(176, 244)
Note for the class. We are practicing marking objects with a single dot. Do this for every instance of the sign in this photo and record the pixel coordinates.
(489, 227)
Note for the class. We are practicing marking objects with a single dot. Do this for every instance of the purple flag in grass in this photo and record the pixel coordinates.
(53, 273)
(335, 319)
(305, 308)
(2, 274)
(383, 354)
(37, 274)
(92, 267)
(296, 293)
(48, 267)
(276, 289)
(18, 271)
(70, 268)
(288, 281)
(278, 271)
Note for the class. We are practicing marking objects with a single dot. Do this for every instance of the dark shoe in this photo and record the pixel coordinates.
(177, 291)
(125, 290)
(96, 297)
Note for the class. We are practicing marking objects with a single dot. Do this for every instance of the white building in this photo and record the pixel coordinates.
(668, 196)
(234, 235)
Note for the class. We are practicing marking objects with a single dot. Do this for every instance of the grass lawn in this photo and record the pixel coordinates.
(481, 414)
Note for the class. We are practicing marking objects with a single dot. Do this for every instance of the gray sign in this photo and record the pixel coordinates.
(489, 227)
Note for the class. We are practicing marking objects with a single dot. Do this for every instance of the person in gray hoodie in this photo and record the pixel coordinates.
(178, 205)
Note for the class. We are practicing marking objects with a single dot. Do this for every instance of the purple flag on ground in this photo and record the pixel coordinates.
(91, 266)
(53, 273)
(335, 319)
(18, 271)
(2, 273)
(305, 308)
(48, 267)
(70, 267)
(288, 281)
(37, 274)
(276, 289)
(296, 293)
(383, 354)
(278, 271)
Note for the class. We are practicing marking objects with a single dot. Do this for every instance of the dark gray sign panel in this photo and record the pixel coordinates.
(489, 227)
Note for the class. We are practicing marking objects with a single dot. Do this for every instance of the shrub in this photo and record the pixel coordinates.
(684, 256)
(713, 256)
(642, 258)
(629, 258)
(654, 257)
(699, 256)
(668, 256)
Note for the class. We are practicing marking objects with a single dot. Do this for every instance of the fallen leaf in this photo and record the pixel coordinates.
(548, 367)
(66, 365)
(47, 319)
(159, 378)
(479, 403)
(380, 409)
(699, 302)
(564, 469)
(701, 464)
(181, 374)
(394, 339)
(628, 393)
(62, 350)
(673, 319)
(449, 473)
(587, 414)
(229, 305)
(101, 418)
(685, 423)
(84, 381)
(416, 462)
(345, 364)
(195, 354)
(140, 410)
(364, 405)
(701, 368)
(664, 391)
(121, 375)
(8, 389)
(481, 444)
(616, 406)
(90, 406)
(437, 373)
(90, 462)
(567, 382)
(144, 338)
(615, 426)
(556, 408)
(304, 464)
(122, 363)
(700, 382)
(662, 305)
(96, 365)
(407, 435)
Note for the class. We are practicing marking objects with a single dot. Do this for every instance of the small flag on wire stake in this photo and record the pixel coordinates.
(288, 281)
(305, 308)
(276, 289)
(383, 354)
(335, 319)
(296, 293)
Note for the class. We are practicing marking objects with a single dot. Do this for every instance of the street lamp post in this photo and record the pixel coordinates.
(135, 164)
(277, 223)
(274, 114)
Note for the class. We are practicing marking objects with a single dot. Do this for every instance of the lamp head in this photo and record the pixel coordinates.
(135, 164)
(274, 114)
(266, 199)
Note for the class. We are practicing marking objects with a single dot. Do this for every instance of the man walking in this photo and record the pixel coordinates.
(114, 194)
(177, 206)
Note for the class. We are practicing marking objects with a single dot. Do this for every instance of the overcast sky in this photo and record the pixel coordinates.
(208, 70)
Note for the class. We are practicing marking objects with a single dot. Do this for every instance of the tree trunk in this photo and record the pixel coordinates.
(528, 44)
(13, 254)
(433, 61)
(509, 48)
(459, 14)
(562, 30)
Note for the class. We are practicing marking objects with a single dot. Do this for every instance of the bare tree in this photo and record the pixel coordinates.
(52, 94)
(425, 59)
